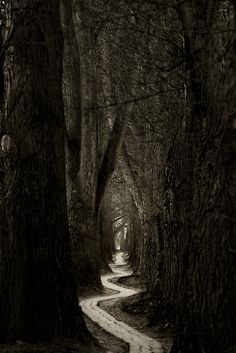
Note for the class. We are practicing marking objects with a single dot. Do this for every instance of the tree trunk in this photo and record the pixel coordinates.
(199, 217)
(82, 160)
(134, 238)
(105, 234)
(38, 295)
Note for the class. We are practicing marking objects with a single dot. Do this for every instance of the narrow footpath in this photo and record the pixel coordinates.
(138, 342)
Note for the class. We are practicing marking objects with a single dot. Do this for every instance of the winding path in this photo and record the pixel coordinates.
(138, 342)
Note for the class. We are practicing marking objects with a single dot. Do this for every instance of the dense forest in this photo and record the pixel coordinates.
(118, 133)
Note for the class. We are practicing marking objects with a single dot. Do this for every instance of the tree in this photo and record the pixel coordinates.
(95, 155)
(178, 159)
(198, 222)
(38, 298)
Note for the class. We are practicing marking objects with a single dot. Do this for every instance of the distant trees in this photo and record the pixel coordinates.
(92, 154)
(177, 159)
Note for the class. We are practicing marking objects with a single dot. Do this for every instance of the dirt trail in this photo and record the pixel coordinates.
(138, 342)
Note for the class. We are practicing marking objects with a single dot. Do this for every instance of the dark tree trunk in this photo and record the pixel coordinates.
(83, 170)
(105, 235)
(134, 239)
(198, 230)
(82, 223)
(109, 162)
(37, 296)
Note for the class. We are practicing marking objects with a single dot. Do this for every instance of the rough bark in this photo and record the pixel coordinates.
(71, 97)
(38, 296)
(82, 153)
(198, 226)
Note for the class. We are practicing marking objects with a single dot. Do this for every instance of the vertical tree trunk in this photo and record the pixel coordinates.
(72, 98)
(200, 191)
(106, 241)
(38, 295)
(82, 148)
(134, 238)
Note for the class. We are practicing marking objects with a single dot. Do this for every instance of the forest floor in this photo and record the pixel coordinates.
(117, 330)
(58, 346)
(118, 317)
